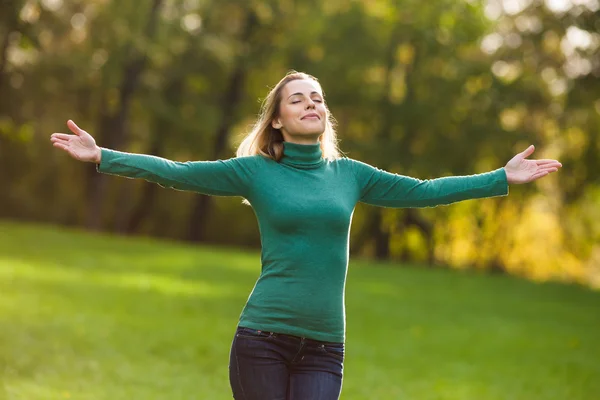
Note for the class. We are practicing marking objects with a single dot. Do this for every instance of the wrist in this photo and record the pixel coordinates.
(98, 157)
(509, 179)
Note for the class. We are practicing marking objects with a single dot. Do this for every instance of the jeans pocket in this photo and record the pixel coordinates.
(253, 334)
(334, 349)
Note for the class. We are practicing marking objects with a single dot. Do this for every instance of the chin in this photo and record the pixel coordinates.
(313, 131)
(306, 135)
(313, 135)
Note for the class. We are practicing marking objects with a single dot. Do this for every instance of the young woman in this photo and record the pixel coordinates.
(290, 340)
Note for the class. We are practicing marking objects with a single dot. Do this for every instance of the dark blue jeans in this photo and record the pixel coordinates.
(272, 366)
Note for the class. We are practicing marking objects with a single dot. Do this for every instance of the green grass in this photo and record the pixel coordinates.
(84, 316)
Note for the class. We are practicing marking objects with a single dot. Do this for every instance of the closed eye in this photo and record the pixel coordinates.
(299, 101)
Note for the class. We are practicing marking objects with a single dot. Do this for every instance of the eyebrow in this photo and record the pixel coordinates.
(298, 93)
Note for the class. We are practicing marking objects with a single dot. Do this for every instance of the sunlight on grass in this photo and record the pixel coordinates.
(87, 316)
(13, 270)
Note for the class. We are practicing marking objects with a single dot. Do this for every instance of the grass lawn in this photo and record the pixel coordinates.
(84, 316)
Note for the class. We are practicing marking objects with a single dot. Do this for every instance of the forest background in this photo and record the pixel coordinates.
(425, 89)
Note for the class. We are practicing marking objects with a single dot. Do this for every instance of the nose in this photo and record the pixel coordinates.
(310, 104)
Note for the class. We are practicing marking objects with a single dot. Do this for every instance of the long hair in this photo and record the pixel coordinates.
(267, 141)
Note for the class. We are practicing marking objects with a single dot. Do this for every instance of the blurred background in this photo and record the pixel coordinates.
(425, 89)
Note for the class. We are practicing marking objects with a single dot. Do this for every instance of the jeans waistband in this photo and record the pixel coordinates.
(286, 336)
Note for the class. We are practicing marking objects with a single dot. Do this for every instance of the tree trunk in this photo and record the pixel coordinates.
(112, 127)
(147, 200)
(413, 218)
(380, 233)
(9, 11)
(233, 95)
(3, 56)
(9, 23)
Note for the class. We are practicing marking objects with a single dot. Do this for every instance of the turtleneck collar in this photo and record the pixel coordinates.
(303, 156)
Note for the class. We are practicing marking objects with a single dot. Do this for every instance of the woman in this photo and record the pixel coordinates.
(290, 340)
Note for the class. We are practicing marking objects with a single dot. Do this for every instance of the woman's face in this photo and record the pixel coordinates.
(302, 113)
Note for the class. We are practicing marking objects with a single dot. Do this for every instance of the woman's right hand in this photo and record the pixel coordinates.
(81, 146)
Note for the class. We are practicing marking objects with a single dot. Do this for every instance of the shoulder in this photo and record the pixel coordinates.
(352, 164)
(343, 161)
(348, 166)
(249, 162)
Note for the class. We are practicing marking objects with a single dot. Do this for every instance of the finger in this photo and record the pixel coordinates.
(542, 163)
(548, 167)
(61, 141)
(528, 151)
(538, 175)
(546, 161)
(556, 165)
(66, 149)
(74, 128)
(60, 145)
(66, 138)
(63, 136)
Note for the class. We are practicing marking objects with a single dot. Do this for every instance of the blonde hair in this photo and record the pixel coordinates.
(267, 141)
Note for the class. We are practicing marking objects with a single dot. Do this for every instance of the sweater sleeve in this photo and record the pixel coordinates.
(231, 177)
(385, 189)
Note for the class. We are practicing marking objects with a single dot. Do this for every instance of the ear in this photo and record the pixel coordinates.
(276, 124)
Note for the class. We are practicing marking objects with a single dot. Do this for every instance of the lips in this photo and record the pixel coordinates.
(311, 115)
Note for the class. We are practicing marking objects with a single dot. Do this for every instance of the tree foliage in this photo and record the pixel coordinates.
(424, 89)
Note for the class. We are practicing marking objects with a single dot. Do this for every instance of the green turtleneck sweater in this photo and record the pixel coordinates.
(304, 206)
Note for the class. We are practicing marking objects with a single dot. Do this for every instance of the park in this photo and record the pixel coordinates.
(416, 208)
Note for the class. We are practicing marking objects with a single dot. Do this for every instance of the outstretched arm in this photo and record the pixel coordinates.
(382, 188)
(222, 178)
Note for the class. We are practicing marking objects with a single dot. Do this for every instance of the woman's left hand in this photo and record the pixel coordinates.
(520, 170)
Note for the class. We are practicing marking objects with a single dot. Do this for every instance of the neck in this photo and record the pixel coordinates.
(302, 156)
(301, 139)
